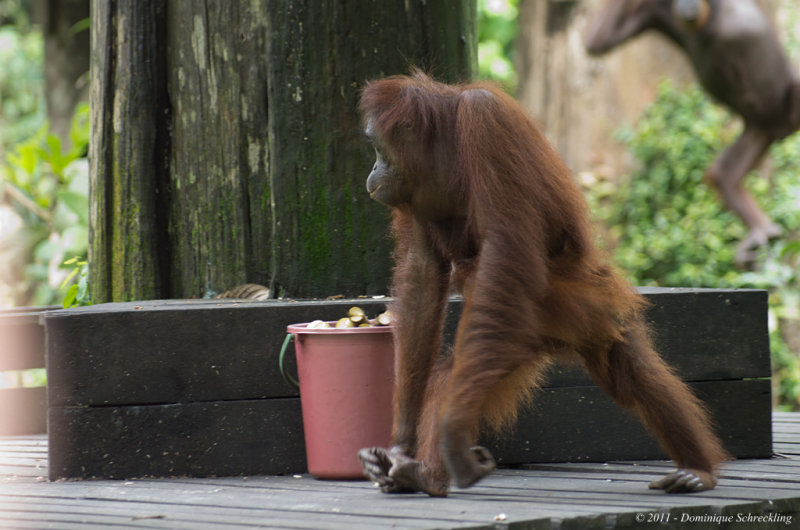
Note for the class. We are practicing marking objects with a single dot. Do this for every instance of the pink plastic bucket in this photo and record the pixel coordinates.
(346, 383)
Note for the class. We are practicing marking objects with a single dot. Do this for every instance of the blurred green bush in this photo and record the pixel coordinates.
(22, 109)
(497, 29)
(44, 181)
(667, 226)
(45, 185)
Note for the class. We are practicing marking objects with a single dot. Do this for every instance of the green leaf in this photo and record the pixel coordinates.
(57, 161)
(69, 298)
(79, 130)
(83, 287)
(27, 159)
(81, 25)
(69, 278)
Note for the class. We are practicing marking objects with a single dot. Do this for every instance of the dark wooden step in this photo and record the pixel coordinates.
(192, 387)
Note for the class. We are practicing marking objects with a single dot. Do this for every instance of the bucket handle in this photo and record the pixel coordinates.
(289, 378)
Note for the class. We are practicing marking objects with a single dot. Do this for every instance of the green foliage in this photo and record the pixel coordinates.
(77, 293)
(23, 378)
(15, 13)
(46, 187)
(789, 15)
(497, 29)
(21, 81)
(667, 221)
(670, 229)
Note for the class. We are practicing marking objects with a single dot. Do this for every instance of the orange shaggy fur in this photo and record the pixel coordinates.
(494, 212)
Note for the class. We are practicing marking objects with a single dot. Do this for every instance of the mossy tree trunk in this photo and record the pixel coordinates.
(226, 144)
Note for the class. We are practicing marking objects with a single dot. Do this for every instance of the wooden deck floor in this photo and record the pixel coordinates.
(613, 495)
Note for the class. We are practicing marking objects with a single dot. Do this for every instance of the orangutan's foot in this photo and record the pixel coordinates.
(396, 472)
(685, 481)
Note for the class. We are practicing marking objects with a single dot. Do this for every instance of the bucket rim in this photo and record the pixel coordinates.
(298, 329)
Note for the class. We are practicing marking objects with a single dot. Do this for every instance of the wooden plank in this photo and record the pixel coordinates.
(783, 449)
(176, 351)
(215, 438)
(787, 436)
(522, 495)
(312, 504)
(737, 479)
(23, 457)
(16, 443)
(25, 471)
(705, 334)
(471, 504)
(309, 509)
(567, 496)
(789, 428)
(265, 436)
(220, 506)
(23, 410)
(581, 424)
(154, 514)
(207, 350)
(13, 456)
(706, 325)
(784, 418)
(120, 373)
(774, 478)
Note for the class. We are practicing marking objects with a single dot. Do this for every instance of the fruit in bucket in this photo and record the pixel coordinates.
(356, 317)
